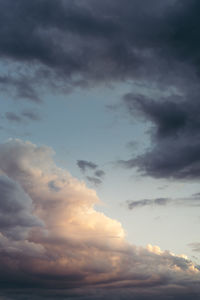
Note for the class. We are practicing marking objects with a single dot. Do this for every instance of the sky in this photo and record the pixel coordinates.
(99, 149)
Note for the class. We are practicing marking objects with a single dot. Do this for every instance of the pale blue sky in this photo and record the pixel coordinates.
(93, 125)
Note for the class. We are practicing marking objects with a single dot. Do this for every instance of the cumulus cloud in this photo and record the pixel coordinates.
(51, 235)
(16, 217)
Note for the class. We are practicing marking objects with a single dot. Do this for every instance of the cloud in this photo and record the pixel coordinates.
(85, 165)
(90, 42)
(193, 200)
(195, 247)
(99, 173)
(22, 85)
(31, 115)
(94, 180)
(16, 217)
(13, 117)
(23, 116)
(174, 134)
(83, 44)
(66, 244)
(148, 202)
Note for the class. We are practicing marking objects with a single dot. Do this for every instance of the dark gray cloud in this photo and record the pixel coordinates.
(65, 44)
(85, 165)
(31, 115)
(52, 185)
(174, 134)
(148, 202)
(99, 173)
(193, 200)
(21, 86)
(13, 117)
(22, 116)
(94, 180)
(83, 42)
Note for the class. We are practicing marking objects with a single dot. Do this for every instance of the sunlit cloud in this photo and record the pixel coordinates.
(60, 238)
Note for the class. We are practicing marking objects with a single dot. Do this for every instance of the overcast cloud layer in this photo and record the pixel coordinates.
(94, 41)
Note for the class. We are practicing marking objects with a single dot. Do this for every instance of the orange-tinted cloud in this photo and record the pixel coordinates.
(54, 236)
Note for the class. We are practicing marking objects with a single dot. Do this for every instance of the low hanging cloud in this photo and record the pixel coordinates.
(52, 236)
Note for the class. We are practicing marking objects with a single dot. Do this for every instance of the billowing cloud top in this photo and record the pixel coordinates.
(51, 234)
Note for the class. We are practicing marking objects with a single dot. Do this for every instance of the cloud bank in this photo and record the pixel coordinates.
(73, 43)
(51, 235)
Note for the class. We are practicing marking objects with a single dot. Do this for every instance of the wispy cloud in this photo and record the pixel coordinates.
(85, 165)
(97, 174)
(148, 202)
(193, 200)
(26, 115)
(195, 247)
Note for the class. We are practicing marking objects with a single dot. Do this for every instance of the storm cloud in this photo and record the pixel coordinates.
(174, 135)
(81, 43)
